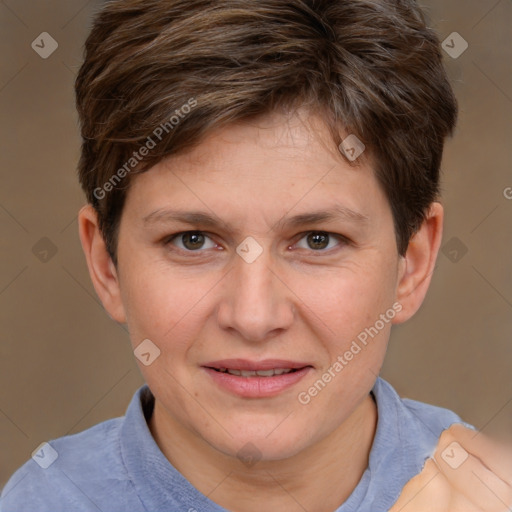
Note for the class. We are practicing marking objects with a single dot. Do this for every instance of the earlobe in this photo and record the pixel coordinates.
(102, 270)
(417, 266)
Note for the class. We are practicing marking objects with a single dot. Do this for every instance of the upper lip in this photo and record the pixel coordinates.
(245, 364)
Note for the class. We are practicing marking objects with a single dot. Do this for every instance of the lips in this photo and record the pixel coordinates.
(256, 379)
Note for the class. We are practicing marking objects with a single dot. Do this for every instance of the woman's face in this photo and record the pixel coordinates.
(261, 249)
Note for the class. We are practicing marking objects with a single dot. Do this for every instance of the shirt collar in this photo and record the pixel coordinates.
(397, 452)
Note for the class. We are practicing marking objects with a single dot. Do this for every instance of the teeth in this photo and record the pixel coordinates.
(280, 371)
(254, 373)
(264, 373)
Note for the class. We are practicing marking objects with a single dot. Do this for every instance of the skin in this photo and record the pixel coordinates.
(477, 478)
(293, 302)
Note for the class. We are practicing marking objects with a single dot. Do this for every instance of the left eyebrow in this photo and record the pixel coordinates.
(335, 213)
(206, 219)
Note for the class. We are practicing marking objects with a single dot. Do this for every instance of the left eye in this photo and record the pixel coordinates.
(319, 241)
(192, 241)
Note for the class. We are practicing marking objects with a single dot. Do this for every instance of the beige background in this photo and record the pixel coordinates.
(64, 365)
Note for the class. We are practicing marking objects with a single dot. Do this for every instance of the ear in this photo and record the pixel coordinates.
(417, 266)
(101, 268)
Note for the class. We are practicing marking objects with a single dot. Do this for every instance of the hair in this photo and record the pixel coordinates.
(164, 74)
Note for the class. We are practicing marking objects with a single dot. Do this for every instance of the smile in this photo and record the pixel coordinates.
(256, 373)
(256, 379)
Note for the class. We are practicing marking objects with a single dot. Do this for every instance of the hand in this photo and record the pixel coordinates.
(468, 473)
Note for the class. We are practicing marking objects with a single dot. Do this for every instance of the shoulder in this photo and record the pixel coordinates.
(70, 473)
(407, 434)
(414, 426)
(415, 416)
(431, 418)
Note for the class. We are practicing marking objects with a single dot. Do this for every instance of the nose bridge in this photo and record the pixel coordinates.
(255, 302)
(254, 283)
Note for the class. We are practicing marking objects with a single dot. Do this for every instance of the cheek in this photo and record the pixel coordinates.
(161, 303)
(346, 300)
(354, 315)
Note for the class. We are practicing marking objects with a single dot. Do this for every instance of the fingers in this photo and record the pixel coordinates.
(475, 468)
(496, 456)
(468, 473)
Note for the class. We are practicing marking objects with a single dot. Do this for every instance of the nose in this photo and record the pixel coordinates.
(255, 303)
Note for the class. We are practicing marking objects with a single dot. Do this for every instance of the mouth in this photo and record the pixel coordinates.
(255, 373)
(248, 368)
(256, 379)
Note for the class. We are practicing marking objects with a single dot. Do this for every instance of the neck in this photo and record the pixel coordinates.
(318, 479)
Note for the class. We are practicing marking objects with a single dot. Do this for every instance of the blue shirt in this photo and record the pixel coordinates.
(116, 466)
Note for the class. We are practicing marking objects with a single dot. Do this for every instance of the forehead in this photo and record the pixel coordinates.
(265, 147)
(265, 166)
(295, 136)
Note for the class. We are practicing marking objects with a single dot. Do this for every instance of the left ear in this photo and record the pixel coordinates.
(417, 266)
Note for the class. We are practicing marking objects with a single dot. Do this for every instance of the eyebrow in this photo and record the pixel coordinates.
(164, 215)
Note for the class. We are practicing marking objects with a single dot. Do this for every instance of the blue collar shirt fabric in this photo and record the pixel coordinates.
(116, 466)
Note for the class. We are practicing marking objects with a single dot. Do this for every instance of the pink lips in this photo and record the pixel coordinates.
(256, 386)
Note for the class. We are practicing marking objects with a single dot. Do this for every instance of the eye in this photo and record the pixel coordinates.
(320, 241)
(191, 241)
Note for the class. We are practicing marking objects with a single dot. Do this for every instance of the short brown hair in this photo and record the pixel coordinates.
(373, 68)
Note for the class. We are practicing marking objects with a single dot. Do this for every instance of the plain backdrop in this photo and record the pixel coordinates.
(65, 366)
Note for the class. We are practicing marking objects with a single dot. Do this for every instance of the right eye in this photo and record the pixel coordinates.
(191, 241)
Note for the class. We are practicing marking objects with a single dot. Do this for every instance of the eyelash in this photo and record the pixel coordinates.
(343, 241)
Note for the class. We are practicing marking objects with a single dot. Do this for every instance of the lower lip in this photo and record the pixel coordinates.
(257, 387)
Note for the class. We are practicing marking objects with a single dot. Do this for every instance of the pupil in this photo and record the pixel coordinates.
(193, 240)
(318, 240)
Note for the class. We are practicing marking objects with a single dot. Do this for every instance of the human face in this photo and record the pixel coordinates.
(315, 287)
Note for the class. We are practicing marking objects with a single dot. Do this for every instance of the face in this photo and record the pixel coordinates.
(261, 249)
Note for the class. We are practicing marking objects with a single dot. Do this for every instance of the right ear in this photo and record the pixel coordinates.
(101, 267)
